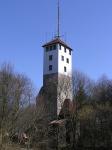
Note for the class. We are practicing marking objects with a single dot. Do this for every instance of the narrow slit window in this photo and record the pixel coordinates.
(50, 67)
(70, 52)
(62, 58)
(54, 47)
(50, 48)
(47, 49)
(67, 60)
(50, 57)
(65, 69)
(60, 46)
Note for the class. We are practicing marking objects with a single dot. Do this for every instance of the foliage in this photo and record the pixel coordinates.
(90, 119)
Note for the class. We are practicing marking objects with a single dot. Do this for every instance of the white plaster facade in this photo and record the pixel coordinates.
(61, 63)
(57, 63)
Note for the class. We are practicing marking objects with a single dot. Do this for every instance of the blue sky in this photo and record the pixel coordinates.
(86, 25)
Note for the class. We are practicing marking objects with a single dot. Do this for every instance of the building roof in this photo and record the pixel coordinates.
(57, 122)
(57, 41)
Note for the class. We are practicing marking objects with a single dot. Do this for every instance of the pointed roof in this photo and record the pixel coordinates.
(57, 41)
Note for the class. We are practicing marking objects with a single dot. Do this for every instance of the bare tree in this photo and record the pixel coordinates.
(82, 87)
(16, 91)
(103, 90)
(82, 92)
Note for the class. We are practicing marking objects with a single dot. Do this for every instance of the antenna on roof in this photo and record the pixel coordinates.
(58, 29)
(58, 20)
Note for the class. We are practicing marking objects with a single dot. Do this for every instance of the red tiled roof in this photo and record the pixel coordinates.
(55, 41)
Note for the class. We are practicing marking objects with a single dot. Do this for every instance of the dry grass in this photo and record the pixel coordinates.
(13, 147)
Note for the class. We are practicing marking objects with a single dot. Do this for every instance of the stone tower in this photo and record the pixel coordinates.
(57, 69)
(57, 72)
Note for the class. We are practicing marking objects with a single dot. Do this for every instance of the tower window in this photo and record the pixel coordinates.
(65, 49)
(67, 60)
(54, 47)
(60, 46)
(62, 58)
(50, 67)
(70, 52)
(50, 47)
(50, 57)
(47, 49)
(65, 69)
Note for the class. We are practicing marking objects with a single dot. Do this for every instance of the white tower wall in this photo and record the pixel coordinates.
(58, 64)
(53, 62)
(63, 63)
